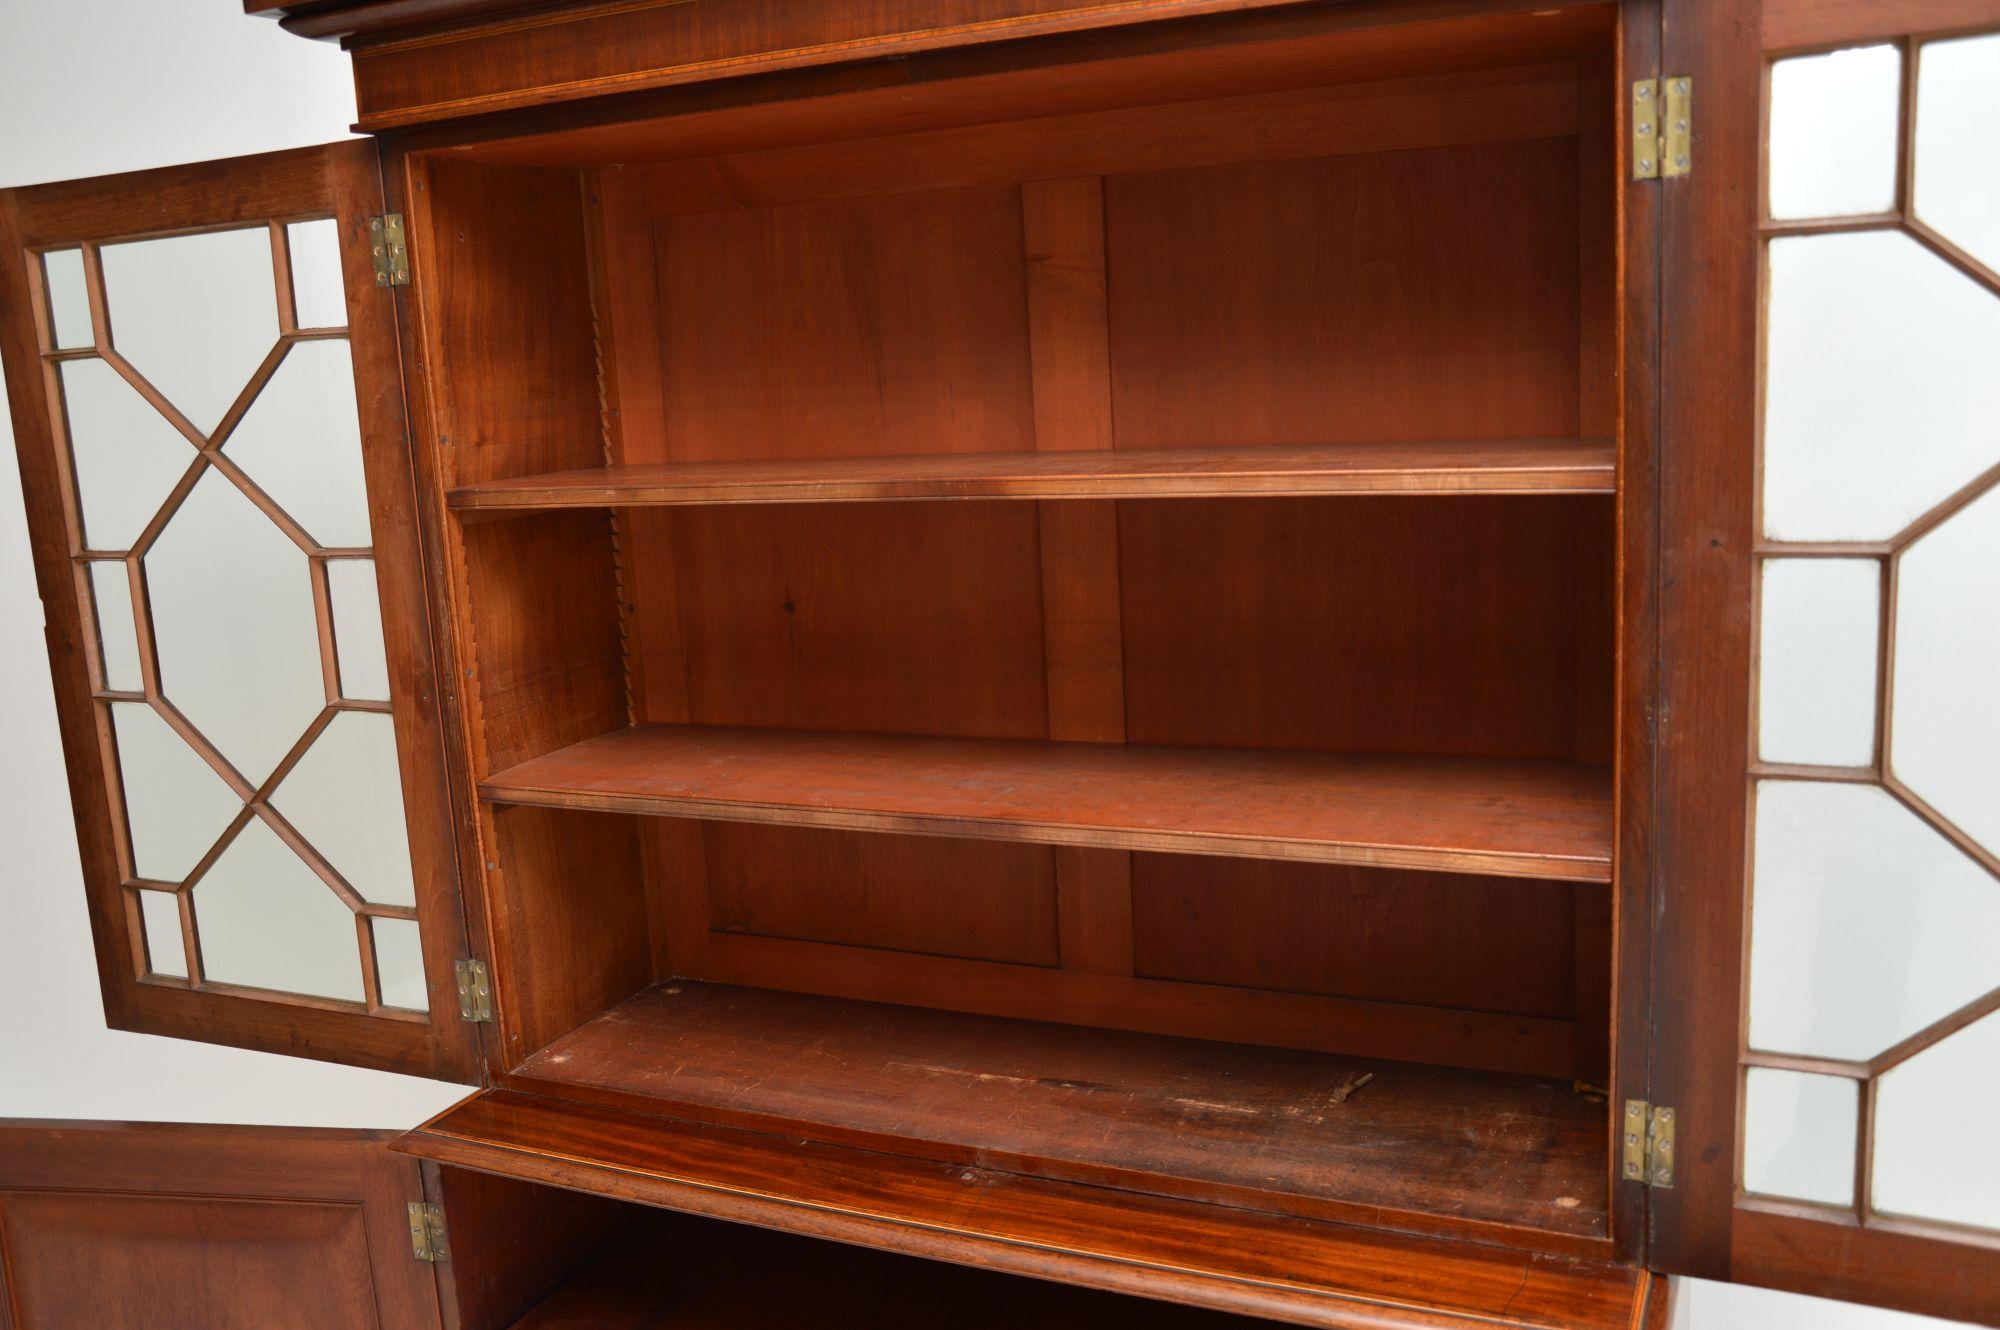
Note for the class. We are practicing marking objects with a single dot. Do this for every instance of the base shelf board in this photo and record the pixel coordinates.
(1505, 818)
(1305, 1272)
(1310, 1134)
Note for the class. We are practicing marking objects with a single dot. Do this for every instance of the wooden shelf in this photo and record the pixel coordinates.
(1174, 1168)
(1463, 815)
(1308, 1134)
(1494, 466)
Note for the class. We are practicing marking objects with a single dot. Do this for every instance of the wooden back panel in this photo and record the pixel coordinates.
(1300, 266)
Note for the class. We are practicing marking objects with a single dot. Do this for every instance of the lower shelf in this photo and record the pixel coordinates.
(697, 1274)
(1501, 1158)
(1246, 1262)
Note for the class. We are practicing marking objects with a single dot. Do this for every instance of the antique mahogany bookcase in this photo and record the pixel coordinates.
(1158, 645)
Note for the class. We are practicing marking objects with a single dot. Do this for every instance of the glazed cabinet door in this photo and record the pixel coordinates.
(207, 406)
(1827, 959)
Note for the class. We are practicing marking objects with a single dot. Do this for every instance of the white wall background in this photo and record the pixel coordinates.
(89, 87)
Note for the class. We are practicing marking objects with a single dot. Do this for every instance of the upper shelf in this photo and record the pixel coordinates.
(1537, 819)
(1492, 466)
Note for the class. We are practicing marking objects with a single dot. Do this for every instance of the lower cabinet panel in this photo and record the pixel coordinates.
(137, 1226)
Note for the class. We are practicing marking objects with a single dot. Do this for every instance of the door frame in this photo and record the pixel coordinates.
(1711, 402)
(342, 180)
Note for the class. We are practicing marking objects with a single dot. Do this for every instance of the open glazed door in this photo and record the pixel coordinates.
(207, 401)
(1827, 976)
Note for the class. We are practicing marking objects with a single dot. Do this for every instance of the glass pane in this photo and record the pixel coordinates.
(346, 797)
(1816, 661)
(194, 314)
(1799, 1136)
(1833, 133)
(357, 629)
(1934, 1156)
(117, 633)
(399, 964)
(69, 299)
(1866, 924)
(1946, 738)
(175, 804)
(1880, 395)
(234, 625)
(1958, 169)
(160, 917)
(301, 443)
(126, 456)
(319, 298)
(267, 921)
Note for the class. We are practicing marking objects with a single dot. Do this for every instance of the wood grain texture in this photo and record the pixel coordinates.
(1709, 407)
(1520, 104)
(1303, 46)
(1293, 1132)
(1429, 939)
(1106, 995)
(1491, 466)
(1521, 819)
(1789, 25)
(1930, 1274)
(696, 1274)
(1301, 1271)
(982, 900)
(153, 1224)
(1367, 624)
(905, 618)
(655, 45)
(1387, 296)
(512, 1243)
(886, 325)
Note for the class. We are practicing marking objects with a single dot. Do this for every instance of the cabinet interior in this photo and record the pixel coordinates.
(1232, 820)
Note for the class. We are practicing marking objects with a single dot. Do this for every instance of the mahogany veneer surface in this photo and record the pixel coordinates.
(1466, 815)
(1304, 1271)
(1533, 466)
(1301, 1132)
(692, 1274)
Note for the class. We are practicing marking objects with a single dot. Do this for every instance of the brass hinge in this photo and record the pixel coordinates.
(1662, 127)
(390, 249)
(475, 991)
(427, 1232)
(1649, 1143)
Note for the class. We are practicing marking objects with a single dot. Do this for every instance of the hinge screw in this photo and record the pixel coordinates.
(1645, 163)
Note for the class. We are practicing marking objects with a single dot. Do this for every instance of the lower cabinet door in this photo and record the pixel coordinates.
(153, 1226)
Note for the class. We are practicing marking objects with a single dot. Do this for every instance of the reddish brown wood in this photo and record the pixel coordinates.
(1284, 344)
(1293, 1132)
(1499, 466)
(1519, 819)
(1081, 995)
(341, 181)
(1302, 1271)
(511, 1244)
(1455, 625)
(1360, 42)
(903, 618)
(562, 56)
(989, 901)
(115, 1224)
(1804, 24)
(697, 1274)
(1923, 1273)
(1525, 104)
(1429, 939)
